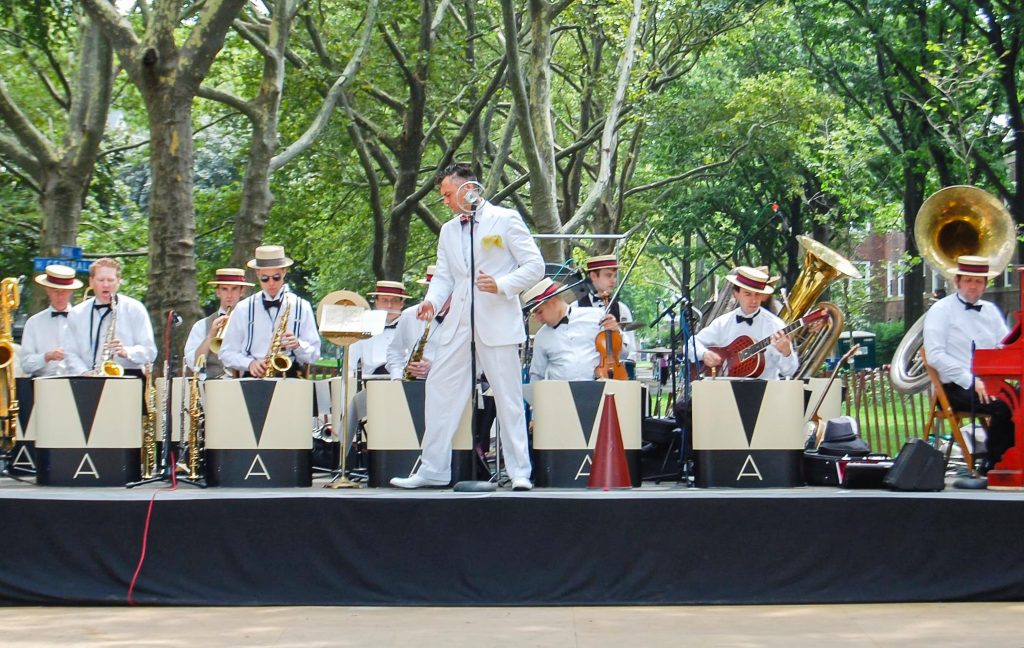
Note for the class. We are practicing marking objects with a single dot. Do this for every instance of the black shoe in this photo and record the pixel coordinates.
(983, 466)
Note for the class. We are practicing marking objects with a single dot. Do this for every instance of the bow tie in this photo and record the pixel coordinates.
(973, 307)
(391, 326)
(749, 320)
(58, 314)
(272, 303)
(99, 306)
(564, 320)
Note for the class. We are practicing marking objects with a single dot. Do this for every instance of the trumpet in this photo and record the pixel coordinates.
(107, 366)
(277, 362)
(218, 338)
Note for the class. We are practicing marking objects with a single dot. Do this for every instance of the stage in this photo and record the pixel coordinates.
(653, 546)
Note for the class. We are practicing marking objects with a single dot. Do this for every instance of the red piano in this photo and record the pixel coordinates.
(996, 367)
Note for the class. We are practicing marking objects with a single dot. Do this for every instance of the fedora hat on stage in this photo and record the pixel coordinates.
(539, 293)
(58, 276)
(600, 262)
(971, 266)
(430, 275)
(270, 256)
(229, 277)
(752, 279)
(392, 288)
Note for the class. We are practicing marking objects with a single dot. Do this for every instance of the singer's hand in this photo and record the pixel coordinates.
(425, 311)
(486, 283)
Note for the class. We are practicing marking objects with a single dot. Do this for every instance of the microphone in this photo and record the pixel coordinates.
(471, 193)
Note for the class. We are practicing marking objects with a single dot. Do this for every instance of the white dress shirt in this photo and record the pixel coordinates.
(44, 332)
(725, 328)
(252, 327)
(373, 351)
(195, 340)
(949, 330)
(87, 331)
(407, 336)
(567, 350)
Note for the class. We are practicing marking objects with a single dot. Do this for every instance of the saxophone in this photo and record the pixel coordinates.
(417, 353)
(10, 299)
(149, 425)
(277, 362)
(195, 420)
(107, 366)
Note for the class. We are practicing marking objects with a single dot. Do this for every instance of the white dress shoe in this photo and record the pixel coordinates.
(417, 481)
(521, 484)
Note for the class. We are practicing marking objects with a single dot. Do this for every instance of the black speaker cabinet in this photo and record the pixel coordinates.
(918, 467)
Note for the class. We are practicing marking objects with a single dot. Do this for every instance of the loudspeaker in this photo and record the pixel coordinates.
(918, 467)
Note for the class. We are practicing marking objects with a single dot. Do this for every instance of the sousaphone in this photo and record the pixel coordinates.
(952, 222)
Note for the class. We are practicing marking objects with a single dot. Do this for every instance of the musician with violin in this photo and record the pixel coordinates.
(564, 348)
(749, 320)
(273, 331)
(109, 328)
(602, 277)
(230, 285)
(951, 326)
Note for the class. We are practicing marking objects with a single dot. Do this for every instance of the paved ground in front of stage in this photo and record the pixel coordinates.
(903, 625)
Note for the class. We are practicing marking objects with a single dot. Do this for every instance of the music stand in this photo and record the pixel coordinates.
(343, 324)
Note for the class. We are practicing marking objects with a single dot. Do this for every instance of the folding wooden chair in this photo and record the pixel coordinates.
(941, 409)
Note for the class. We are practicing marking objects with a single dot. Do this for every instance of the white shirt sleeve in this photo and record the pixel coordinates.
(195, 339)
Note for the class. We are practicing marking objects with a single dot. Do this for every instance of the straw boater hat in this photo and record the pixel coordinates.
(430, 275)
(394, 288)
(539, 293)
(59, 276)
(270, 256)
(600, 262)
(229, 277)
(971, 266)
(774, 279)
(752, 279)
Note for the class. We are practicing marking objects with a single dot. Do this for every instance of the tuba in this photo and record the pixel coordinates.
(952, 222)
(822, 265)
(277, 362)
(107, 366)
(10, 299)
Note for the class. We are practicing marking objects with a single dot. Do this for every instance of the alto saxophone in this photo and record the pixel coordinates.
(107, 366)
(10, 299)
(277, 362)
(195, 420)
(149, 426)
(417, 353)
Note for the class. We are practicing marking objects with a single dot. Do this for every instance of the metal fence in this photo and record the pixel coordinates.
(886, 417)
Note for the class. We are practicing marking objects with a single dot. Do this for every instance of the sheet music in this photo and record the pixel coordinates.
(342, 319)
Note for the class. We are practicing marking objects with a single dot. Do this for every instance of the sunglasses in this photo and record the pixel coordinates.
(266, 278)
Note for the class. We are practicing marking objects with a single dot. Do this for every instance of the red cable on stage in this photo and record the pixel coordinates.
(145, 531)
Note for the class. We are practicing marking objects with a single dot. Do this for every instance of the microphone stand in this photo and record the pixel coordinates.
(166, 456)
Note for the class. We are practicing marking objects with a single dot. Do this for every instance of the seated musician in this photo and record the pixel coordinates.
(602, 278)
(230, 286)
(90, 339)
(256, 324)
(43, 340)
(752, 320)
(951, 326)
(564, 348)
(408, 334)
(369, 357)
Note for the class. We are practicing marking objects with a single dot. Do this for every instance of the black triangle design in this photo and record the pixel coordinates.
(87, 392)
(587, 395)
(415, 397)
(808, 392)
(26, 401)
(258, 394)
(748, 395)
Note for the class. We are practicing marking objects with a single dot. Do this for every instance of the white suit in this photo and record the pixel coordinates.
(504, 250)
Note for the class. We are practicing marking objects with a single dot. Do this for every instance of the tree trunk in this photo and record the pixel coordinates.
(257, 198)
(913, 280)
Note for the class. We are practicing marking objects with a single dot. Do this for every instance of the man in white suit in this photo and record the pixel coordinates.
(507, 263)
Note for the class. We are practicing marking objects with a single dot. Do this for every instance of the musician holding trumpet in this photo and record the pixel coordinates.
(207, 334)
(109, 333)
(273, 332)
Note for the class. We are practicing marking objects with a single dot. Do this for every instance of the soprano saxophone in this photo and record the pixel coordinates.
(107, 366)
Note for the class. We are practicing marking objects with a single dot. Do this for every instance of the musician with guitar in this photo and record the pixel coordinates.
(719, 345)
(564, 349)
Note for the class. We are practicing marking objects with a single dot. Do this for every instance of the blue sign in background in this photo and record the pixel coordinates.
(80, 265)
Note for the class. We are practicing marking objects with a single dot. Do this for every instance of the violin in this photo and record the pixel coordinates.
(609, 347)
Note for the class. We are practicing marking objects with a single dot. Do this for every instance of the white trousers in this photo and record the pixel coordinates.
(448, 387)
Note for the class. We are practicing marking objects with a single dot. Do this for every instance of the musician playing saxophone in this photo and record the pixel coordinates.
(409, 333)
(372, 353)
(253, 326)
(90, 337)
(752, 320)
(230, 286)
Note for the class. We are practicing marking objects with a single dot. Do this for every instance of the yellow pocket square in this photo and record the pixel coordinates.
(492, 241)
